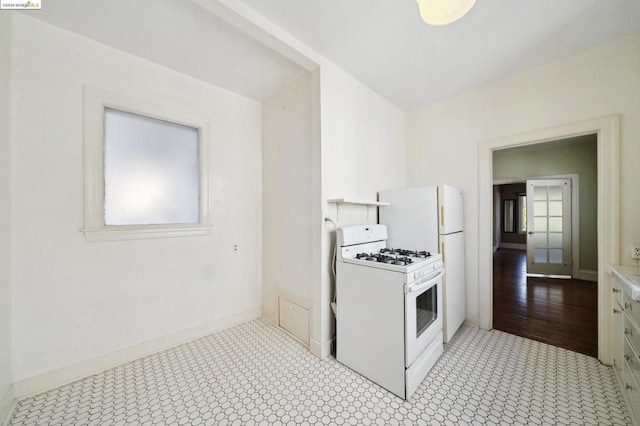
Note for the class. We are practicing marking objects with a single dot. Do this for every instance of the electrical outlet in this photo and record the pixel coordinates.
(234, 247)
(635, 252)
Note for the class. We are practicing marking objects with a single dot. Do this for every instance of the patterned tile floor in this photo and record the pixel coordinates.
(254, 373)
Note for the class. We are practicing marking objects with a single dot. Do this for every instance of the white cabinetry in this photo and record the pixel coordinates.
(618, 325)
(626, 335)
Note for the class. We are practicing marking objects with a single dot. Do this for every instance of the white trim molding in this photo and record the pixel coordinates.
(321, 350)
(130, 232)
(94, 103)
(62, 376)
(607, 130)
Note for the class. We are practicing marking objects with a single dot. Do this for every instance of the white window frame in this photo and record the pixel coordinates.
(95, 101)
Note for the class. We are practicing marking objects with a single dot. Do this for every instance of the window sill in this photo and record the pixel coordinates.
(135, 232)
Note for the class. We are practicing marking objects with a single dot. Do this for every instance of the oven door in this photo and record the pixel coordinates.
(423, 315)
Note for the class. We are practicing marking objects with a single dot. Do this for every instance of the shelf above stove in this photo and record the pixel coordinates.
(356, 202)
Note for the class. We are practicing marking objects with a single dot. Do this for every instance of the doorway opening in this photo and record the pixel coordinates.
(608, 202)
(550, 184)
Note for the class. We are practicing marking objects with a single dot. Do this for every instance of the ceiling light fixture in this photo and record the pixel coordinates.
(443, 12)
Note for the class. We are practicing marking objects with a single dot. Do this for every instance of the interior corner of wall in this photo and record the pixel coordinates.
(473, 320)
(7, 403)
(269, 315)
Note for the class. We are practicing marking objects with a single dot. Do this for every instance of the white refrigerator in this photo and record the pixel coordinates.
(431, 218)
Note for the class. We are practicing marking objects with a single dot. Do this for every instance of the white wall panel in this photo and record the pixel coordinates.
(74, 300)
(442, 139)
(363, 152)
(288, 192)
(5, 213)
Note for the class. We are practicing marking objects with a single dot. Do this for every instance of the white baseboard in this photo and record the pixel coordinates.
(587, 275)
(7, 402)
(62, 376)
(320, 350)
(513, 246)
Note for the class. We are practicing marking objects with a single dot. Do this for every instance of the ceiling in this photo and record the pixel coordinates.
(385, 45)
(382, 43)
(180, 35)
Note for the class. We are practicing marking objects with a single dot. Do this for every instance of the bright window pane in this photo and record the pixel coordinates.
(555, 208)
(555, 193)
(540, 256)
(522, 214)
(540, 224)
(540, 240)
(555, 239)
(540, 193)
(540, 208)
(555, 224)
(150, 170)
(555, 256)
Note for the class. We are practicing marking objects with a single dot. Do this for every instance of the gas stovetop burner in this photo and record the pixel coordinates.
(368, 256)
(402, 252)
(385, 258)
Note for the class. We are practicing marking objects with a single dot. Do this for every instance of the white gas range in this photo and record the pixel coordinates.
(389, 309)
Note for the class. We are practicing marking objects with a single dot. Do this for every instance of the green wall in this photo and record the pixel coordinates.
(576, 156)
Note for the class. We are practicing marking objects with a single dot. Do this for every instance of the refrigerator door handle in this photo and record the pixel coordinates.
(442, 252)
(442, 216)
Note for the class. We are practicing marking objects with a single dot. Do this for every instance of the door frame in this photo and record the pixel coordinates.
(607, 130)
(576, 272)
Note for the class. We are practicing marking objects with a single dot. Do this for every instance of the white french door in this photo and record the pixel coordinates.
(549, 227)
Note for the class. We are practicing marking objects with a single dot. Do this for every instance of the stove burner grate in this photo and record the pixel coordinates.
(391, 257)
(406, 253)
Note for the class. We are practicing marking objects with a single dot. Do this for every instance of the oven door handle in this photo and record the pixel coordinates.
(423, 283)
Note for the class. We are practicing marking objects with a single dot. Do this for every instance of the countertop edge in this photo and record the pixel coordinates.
(625, 276)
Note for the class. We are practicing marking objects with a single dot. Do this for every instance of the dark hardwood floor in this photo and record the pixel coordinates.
(559, 312)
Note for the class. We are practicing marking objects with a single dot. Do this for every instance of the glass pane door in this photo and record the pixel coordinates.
(549, 227)
(426, 309)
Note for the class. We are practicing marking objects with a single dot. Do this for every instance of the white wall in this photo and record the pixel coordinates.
(363, 152)
(287, 196)
(596, 83)
(5, 213)
(73, 300)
